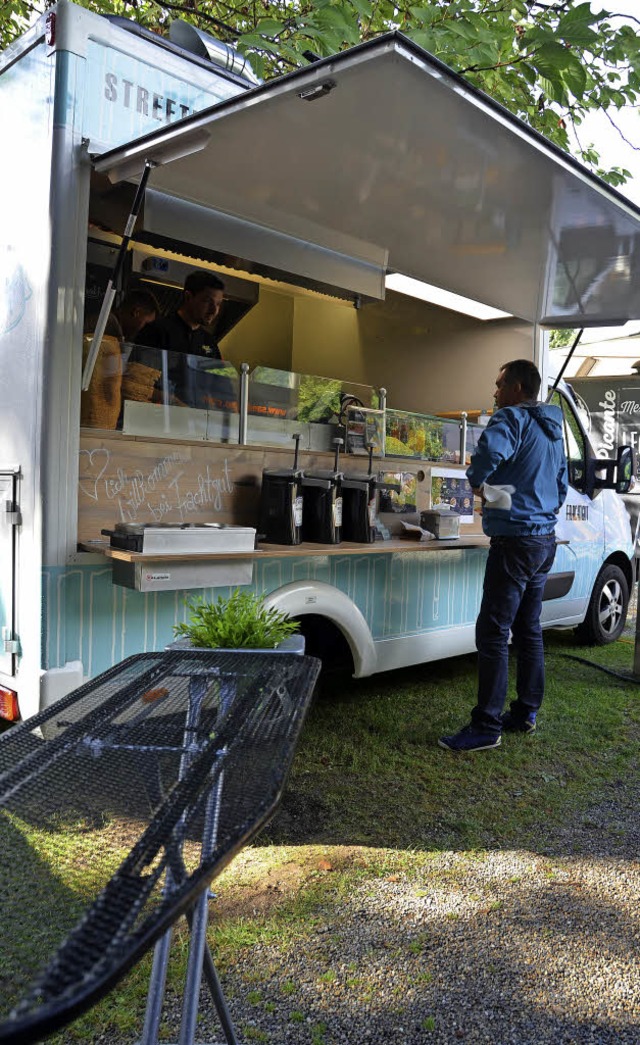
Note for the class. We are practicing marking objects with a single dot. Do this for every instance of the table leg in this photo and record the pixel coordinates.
(157, 985)
(199, 955)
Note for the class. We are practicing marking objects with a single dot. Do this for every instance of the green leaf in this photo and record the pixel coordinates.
(425, 15)
(482, 55)
(540, 36)
(528, 72)
(423, 38)
(269, 26)
(581, 35)
(363, 7)
(576, 17)
(551, 59)
(464, 29)
(336, 19)
(575, 77)
(250, 40)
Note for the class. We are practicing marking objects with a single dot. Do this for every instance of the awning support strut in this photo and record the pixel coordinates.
(566, 362)
(110, 292)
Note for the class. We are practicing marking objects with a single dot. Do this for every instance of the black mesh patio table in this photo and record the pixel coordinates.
(172, 761)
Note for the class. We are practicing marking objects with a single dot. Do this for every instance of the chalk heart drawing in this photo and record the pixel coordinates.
(93, 465)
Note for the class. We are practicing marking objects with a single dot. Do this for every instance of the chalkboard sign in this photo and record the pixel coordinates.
(628, 416)
(611, 413)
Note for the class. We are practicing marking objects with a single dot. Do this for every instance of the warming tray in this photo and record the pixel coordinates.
(443, 523)
(189, 538)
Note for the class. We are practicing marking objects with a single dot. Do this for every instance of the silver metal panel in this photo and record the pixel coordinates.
(400, 155)
(203, 540)
(205, 227)
(181, 576)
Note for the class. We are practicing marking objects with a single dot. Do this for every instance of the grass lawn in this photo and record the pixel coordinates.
(368, 770)
(371, 794)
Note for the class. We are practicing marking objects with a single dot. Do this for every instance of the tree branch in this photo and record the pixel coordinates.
(204, 15)
(498, 65)
(636, 148)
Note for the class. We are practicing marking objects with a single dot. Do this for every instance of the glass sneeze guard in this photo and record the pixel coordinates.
(427, 437)
(282, 403)
(152, 391)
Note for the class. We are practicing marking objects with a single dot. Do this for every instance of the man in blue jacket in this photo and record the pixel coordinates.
(521, 449)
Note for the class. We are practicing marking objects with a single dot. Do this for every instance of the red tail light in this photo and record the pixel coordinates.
(9, 709)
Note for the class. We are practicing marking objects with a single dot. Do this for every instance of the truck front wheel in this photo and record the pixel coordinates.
(607, 610)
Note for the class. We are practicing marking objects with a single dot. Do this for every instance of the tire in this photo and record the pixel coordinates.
(607, 611)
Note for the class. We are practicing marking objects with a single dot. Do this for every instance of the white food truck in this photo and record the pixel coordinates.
(136, 159)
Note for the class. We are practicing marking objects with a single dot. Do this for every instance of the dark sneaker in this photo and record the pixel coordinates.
(517, 724)
(470, 739)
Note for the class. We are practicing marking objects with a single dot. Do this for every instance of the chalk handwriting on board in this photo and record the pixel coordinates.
(210, 491)
(93, 465)
(133, 490)
(163, 491)
(179, 499)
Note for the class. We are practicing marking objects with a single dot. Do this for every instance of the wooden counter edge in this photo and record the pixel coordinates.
(298, 550)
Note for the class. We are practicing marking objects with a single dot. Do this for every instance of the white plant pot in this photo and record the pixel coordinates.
(292, 644)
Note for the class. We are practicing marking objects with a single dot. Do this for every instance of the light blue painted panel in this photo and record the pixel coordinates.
(88, 618)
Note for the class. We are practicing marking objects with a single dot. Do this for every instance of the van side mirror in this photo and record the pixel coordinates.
(625, 469)
(611, 473)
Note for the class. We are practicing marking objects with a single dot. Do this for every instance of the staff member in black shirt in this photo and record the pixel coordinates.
(185, 330)
(183, 333)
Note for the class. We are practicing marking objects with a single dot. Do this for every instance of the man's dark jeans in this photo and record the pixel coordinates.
(514, 579)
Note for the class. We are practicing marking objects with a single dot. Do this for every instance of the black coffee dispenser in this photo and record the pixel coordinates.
(322, 515)
(280, 519)
(360, 503)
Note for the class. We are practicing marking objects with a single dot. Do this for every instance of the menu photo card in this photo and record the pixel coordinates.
(452, 487)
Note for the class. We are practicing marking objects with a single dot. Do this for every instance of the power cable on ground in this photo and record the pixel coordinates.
(609, 671)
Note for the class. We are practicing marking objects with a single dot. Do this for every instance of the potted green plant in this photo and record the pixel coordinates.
(240, 621)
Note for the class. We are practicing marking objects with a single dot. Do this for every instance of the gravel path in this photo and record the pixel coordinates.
(498, 947)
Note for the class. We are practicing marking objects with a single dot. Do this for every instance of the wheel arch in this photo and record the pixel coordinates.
(302, 598)
(623, 562)
(605, 616)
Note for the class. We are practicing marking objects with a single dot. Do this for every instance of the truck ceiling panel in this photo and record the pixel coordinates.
(396, 154)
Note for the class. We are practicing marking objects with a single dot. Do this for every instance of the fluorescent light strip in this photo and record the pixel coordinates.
(415, 288)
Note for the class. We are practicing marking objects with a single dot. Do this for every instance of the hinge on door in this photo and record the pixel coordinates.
(12, 513)
(10, 642)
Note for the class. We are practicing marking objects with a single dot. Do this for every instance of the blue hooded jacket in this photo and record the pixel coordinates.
(522, 447)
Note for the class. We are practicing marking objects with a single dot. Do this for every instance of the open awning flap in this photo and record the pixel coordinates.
(382, 152)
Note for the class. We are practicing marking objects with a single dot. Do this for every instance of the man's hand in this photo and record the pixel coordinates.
(478, 492)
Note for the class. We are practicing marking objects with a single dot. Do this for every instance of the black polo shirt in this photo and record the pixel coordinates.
(172, 333)
(189, 384)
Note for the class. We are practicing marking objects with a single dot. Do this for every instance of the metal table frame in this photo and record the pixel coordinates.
(257, 724)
